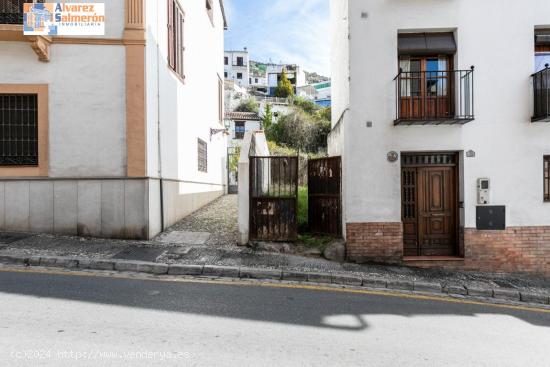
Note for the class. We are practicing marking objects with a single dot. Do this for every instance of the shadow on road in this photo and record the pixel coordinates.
(270, 304)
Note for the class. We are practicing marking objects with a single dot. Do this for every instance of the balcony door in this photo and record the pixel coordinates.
(425, 88)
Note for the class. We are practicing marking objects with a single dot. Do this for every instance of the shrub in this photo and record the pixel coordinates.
(248, 105)
(306, 105)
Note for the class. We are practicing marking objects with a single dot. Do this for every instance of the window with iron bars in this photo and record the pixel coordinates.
(18, 130)
(11, 11)
(202, 156)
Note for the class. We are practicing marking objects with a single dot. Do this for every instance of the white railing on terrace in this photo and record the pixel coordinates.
(271, 99)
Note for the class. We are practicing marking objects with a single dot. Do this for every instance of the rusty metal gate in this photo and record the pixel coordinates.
(325, 195)
(273, 198)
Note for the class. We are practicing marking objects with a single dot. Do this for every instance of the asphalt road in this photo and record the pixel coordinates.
(70, 320)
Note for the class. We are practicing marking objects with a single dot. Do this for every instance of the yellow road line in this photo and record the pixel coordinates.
(260, 283)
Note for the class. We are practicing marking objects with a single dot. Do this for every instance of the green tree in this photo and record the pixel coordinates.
(248, 105)
(267, 118)
(284, 87)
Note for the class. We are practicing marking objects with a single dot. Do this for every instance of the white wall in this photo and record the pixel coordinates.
(187, 110)
(494, 35)
(248, 126)
(87, 119)
(254, 144)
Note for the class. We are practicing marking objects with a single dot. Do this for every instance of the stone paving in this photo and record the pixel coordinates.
(218, 219)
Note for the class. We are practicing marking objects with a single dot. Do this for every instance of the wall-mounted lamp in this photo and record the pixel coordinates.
(216, 131)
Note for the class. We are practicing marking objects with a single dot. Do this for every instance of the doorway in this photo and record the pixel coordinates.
(430, 203)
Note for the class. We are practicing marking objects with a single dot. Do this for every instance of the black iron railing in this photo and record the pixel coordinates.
(11, 11)
(434, 97)
(541, 95)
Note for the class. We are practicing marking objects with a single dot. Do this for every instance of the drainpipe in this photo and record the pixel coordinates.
(159, 173)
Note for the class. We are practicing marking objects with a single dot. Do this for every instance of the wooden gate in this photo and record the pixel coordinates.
(324, 195)
(273, 198)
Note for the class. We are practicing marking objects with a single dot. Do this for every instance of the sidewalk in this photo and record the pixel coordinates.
(162, 256)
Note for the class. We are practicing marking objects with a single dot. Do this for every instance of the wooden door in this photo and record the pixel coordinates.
(437, 208)
(429, 195)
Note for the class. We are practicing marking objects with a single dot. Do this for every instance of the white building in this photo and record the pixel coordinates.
(239, 123)
(258, 82)
(122, 132)
(294, 73)
(237, 67)
(320, 93)
(418, 127)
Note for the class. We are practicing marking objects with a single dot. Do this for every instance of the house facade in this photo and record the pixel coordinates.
(443, 132)
(115, 135)
(237, 67)
(294, 73)
(239, 123)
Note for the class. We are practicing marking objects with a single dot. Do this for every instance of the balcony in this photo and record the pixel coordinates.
(11, 27)
(11, 11)
(434, 97)
(541, 94)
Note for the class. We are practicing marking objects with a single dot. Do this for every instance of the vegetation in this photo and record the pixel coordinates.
(314, 241)
(284, 87)
(300, 131)
(325, 113)
(234, 160)
(302, 208)
(248, 105)
(305, 105)
(267, 118)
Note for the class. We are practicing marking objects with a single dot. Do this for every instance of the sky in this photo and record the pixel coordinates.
(287, 31)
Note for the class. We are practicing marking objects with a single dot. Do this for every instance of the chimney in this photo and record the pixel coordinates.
(246, 48)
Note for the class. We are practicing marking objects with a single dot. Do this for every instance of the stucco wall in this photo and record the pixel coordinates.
(187, 111)
(495, 37)
(86, 104)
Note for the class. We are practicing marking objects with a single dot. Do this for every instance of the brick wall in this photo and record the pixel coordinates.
(374, 242)
(517, 249)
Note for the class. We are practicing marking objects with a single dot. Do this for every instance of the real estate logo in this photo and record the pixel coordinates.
(64, 19)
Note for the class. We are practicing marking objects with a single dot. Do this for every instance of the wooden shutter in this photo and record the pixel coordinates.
(171, 51)
(180, 43)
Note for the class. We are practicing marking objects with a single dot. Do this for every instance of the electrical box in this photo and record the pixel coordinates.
(492, 218)
(483, 186)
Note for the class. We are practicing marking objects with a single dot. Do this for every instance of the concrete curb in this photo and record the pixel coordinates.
(501, 294)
